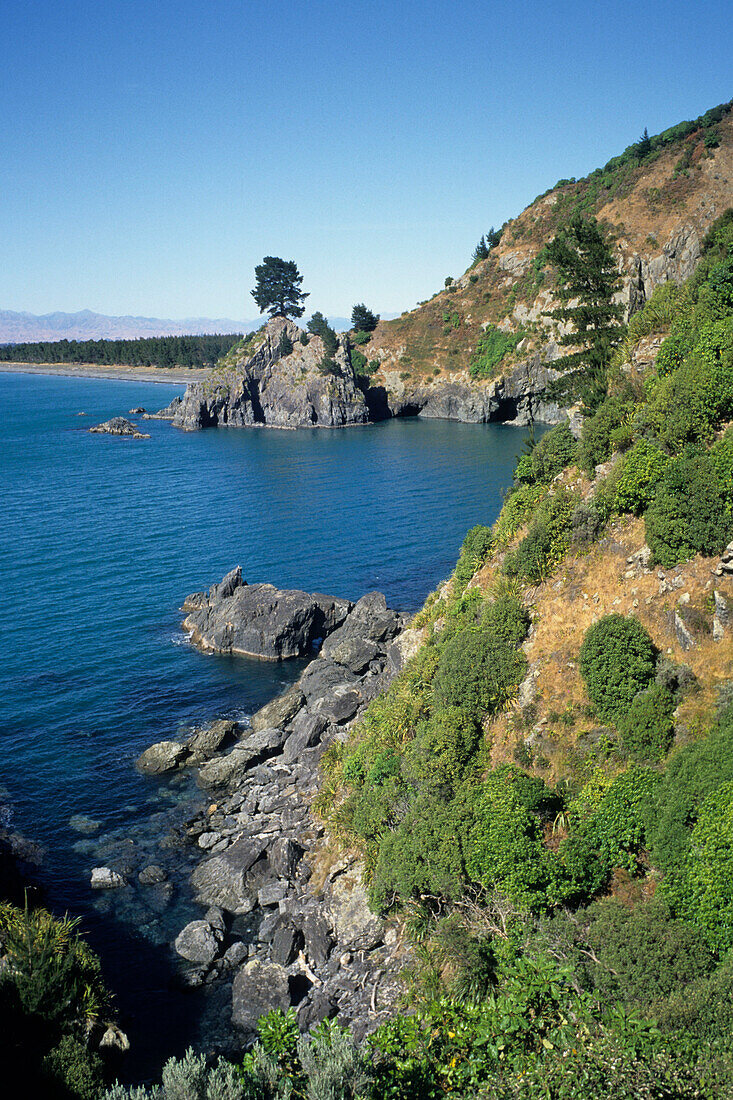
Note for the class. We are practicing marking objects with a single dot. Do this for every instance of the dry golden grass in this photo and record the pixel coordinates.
(584, 589)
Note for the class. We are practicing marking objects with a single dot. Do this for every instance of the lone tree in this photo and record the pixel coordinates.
(362, 319)
(588, 275)
(278, 288)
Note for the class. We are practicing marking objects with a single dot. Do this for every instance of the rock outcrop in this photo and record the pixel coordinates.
(286, 924)
(258, 620)
(276, 380)
(118, 425)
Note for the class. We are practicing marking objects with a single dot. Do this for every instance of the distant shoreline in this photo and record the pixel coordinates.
(175, 376)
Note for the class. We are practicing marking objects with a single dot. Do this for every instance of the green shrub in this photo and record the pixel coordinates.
(672, 353)
(701, 888)
(420, 856)
(607, 828)
(586, 522)
(595, 436)
(617, 660)
(644, 954)
(546, 541)
(476, 547)
(647, 729)
(638, 476)
(490, 350)
(477, 672)
(502, 842)
(359, 362)
(692, 774)
(443, 748)
(190, 1078)
(72, 1070)
(554, 451)
(689, 513)
(361, 337)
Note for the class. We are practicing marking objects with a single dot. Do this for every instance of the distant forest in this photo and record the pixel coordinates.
(149, 351)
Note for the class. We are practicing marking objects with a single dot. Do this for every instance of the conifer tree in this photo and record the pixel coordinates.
(587, 275)
(277, 289)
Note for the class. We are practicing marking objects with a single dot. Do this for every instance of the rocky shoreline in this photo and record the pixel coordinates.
(285, 919)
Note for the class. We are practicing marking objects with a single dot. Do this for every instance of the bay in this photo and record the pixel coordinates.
(101, 538)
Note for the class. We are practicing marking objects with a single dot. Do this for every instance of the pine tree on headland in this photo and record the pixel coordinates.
(362, 319)
(587, 274)
(277, 290)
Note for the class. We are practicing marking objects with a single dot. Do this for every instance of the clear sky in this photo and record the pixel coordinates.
(153, 151)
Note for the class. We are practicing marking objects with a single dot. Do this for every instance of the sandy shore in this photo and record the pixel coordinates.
(94, 370)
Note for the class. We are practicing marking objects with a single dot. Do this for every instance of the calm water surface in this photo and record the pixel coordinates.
(101, 538)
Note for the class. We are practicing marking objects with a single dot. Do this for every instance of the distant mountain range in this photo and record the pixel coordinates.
(25, 328)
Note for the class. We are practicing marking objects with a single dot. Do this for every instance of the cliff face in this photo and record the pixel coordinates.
(261, 384)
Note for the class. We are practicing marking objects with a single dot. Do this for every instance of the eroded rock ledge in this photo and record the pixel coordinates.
(286, 919)
(259, 620)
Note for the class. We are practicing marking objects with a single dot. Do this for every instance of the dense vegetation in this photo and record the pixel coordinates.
(148, 351)
(52, 998)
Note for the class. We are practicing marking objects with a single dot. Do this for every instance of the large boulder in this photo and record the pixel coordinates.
(259, 620)
(258, 988)
(198, 942)
(275, 379)
(221, 880)
(162, 757)
(356, 926)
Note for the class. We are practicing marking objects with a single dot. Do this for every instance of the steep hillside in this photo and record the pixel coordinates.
(658, 204)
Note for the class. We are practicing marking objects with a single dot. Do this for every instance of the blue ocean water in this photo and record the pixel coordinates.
(101, 539)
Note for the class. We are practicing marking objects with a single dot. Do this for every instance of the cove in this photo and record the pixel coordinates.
(101, 539)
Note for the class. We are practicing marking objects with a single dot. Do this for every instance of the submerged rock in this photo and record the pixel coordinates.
(104, 878)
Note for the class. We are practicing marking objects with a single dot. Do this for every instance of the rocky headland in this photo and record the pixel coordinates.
(276, 379)
(286, 921)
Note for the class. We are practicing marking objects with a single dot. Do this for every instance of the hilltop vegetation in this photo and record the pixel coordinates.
(661, 193)
(150, 351)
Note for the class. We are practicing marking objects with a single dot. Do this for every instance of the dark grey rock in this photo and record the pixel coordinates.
(307, 734)
(235, 955)
(258, 988)
(356, 926)
(263, 387)
(118, 425)
(259, 620)
(286, 943)
(283, 857)
(205, 742)
(272, 893)
(318, 938)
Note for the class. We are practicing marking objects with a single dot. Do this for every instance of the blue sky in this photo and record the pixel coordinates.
(154, 152)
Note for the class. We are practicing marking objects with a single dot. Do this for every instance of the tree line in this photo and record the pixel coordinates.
(148, 351)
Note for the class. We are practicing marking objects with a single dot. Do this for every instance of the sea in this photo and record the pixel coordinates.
(101, 538)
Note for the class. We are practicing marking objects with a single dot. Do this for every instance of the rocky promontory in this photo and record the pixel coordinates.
(284, 921)
(259, 620)
(277, 378)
